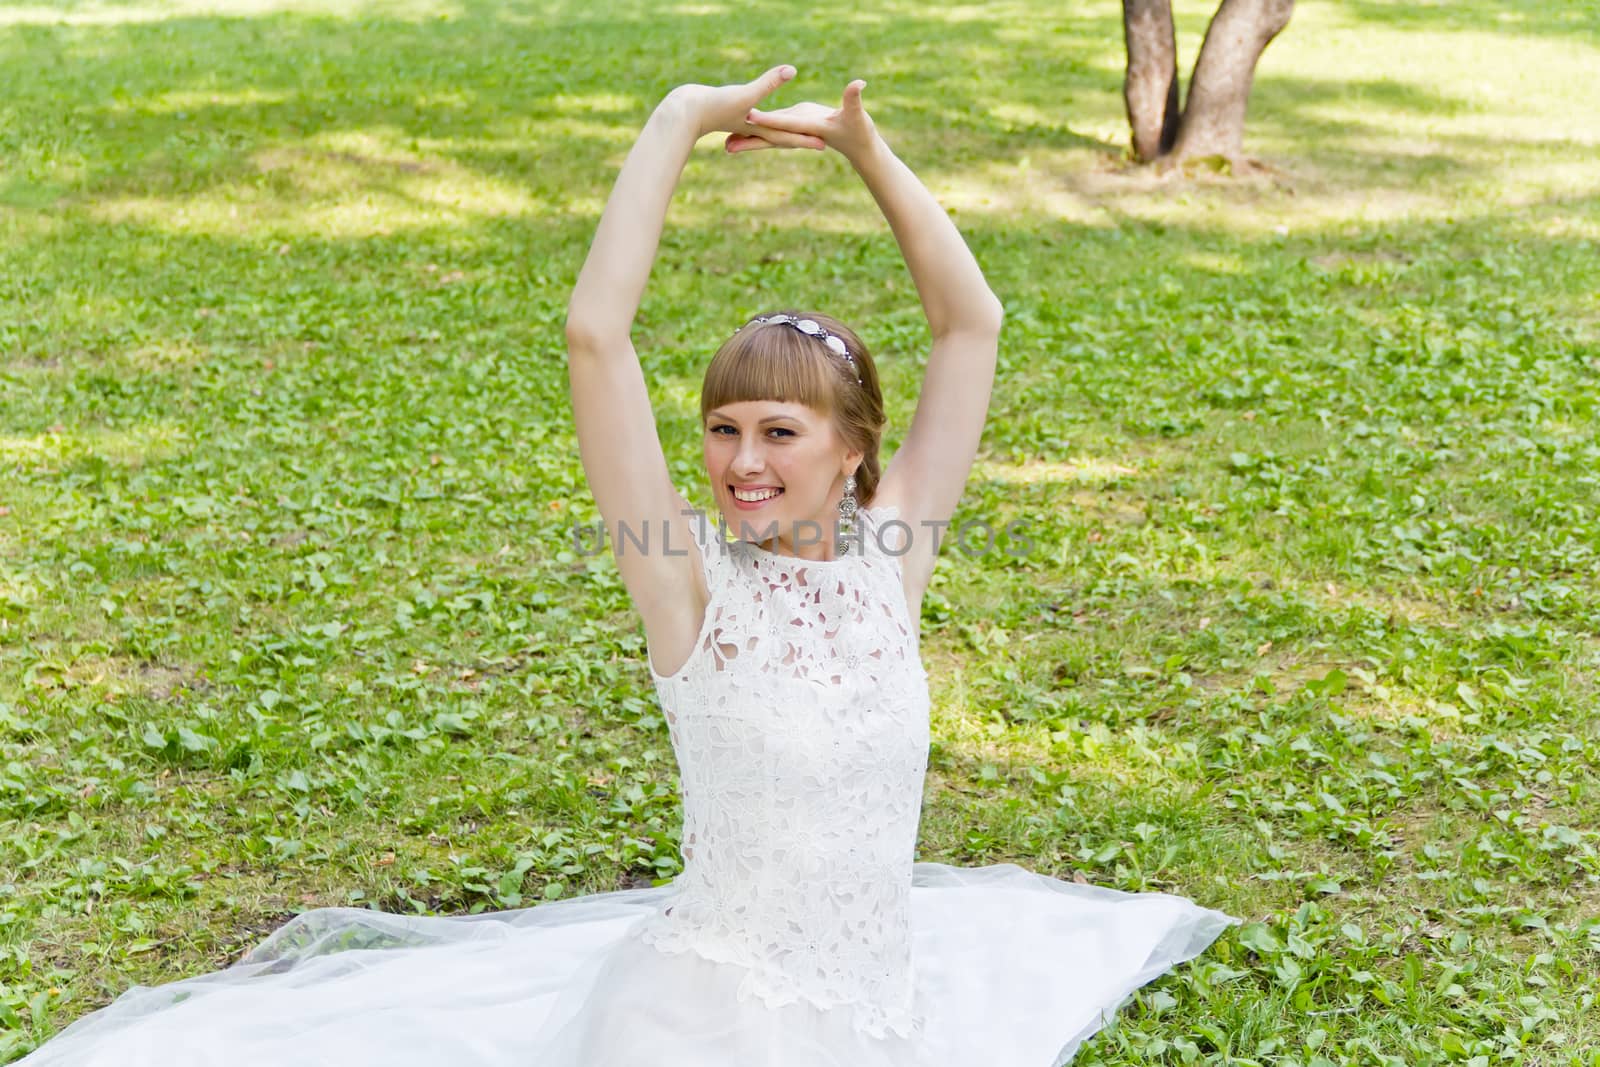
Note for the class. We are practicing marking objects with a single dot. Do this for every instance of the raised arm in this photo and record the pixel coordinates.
(617, 437)
(926, 477)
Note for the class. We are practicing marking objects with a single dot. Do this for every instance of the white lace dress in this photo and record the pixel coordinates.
(801, 932)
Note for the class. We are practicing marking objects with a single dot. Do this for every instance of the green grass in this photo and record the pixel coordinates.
(289, 615)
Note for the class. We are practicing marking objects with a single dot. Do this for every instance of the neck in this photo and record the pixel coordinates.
(824, 551)
(808, 539)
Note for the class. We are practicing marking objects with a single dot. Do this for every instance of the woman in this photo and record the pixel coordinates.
(801, 933)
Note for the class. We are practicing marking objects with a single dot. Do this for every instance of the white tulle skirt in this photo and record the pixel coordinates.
(1011, 968)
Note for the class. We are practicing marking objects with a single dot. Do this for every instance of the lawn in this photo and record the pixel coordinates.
(290, 613)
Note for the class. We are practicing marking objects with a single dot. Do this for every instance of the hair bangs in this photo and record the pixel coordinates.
(774, 363)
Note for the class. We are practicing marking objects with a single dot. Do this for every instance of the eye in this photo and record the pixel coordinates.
(780, 429)
(719, 429)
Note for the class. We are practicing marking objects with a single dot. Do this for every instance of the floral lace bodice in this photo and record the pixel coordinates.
(800, 725)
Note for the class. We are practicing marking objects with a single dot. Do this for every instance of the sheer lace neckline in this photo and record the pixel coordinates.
(712, 546)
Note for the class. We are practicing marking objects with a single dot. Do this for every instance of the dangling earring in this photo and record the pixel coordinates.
(847, 514)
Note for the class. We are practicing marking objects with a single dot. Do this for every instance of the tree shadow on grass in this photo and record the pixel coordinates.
(538, 104)
(224, 85)
(1382, 132)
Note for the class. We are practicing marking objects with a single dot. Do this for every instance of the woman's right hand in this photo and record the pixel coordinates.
(724, 109)
(847, 128)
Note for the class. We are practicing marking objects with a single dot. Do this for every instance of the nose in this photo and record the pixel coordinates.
(749, 460)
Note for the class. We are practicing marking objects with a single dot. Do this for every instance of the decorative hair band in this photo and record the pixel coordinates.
(812, 328)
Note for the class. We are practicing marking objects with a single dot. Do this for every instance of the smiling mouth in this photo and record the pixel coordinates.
(755, 496)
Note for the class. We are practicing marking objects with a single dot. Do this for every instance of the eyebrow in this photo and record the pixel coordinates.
(763, 422)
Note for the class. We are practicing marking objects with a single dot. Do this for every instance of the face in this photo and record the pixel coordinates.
(775, 462)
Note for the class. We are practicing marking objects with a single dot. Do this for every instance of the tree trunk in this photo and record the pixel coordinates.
(1150, 88)
(1219, 91)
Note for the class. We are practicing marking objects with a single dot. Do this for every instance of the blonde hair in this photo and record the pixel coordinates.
(774, 361)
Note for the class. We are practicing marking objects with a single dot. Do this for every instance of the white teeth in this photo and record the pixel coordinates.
(759, 494)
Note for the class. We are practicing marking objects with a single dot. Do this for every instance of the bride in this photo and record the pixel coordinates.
(801, 932)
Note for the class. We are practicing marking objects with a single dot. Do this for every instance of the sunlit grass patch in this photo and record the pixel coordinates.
(1091, 470)
(59, 445)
